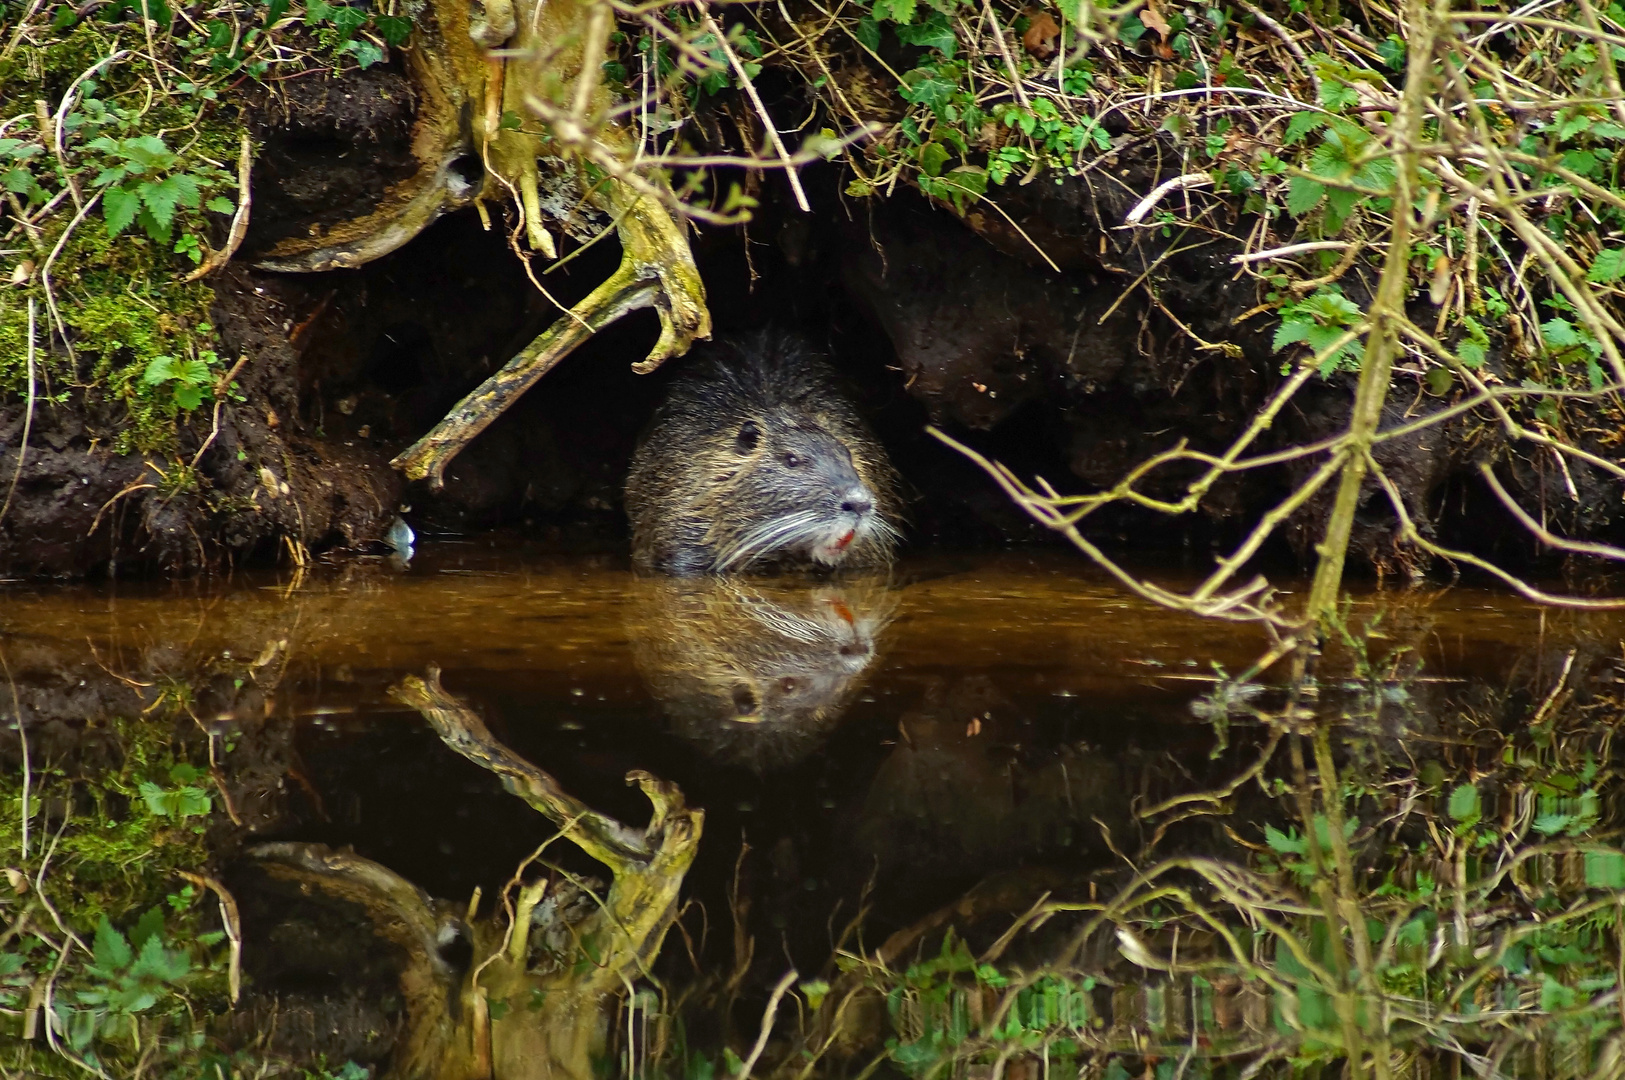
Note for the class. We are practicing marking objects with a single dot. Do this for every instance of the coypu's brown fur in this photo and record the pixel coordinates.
(756, 456)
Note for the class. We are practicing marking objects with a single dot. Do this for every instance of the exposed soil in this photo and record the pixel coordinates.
(1032, 335)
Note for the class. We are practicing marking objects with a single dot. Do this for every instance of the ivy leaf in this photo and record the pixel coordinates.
(1608, 266)
(367, 54)
(1303, 195)
(119, 207)
(933, 156)
(393, 28)
(868, 33)
(934, 33)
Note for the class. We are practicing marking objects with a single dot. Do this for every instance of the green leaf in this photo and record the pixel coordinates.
(1440, 380)
(195, 372)
(150, 925)
(1303, 195)
(393, 28)
(1464, 805)
(933, 156)
(1608, 266)
(367, 54)
(898, 11)
(934, 33)
(1559, 333)
(1471, 352)
(221, 205)
(1301, 125)
(112, 951)
(868, 33)
(166, 196)
(1547, 824)
(148, 150)
(1281, 842)
(18, 180)
(160, 369)
(1338, 95)
(1605, 870)
(119, 207)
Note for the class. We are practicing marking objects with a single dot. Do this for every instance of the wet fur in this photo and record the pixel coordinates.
(702, 501)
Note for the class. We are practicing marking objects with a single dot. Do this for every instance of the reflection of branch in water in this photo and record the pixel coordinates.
(485, 1021)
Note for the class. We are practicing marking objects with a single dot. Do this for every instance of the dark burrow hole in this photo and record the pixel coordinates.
(389, 348)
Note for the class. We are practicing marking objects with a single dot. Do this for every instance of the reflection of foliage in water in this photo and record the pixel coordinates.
(1466, 908)
(97, 913)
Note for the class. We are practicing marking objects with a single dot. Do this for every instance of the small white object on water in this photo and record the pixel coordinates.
(400, 537)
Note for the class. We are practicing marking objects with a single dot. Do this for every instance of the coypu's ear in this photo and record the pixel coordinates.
(749, 436)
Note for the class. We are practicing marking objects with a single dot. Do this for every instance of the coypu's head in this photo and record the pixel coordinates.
(754, 457)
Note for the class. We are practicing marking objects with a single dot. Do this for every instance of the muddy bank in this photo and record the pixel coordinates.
(1033, 334)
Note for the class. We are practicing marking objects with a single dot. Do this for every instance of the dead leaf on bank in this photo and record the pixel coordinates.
(22, 272)
(1151, 15)
(1042, 35)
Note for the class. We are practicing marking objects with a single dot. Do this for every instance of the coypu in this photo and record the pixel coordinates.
(755, 456)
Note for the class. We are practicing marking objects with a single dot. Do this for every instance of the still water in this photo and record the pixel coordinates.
(885, 742)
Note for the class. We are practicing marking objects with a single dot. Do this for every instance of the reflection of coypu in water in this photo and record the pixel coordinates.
(756, 456)
(756, 676)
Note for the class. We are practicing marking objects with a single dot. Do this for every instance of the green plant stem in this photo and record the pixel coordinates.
(1372, 390)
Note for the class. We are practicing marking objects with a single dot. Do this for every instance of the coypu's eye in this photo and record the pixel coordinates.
(749, 436)
(792, 459)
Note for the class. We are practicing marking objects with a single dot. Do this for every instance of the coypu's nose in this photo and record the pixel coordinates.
(857, 501)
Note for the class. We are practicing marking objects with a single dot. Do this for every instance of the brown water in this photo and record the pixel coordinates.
(963, 716)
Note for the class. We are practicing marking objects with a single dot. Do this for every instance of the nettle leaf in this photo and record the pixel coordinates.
(188, 396)
(1303, 195)
(1281, 842)
(167, 195)
(1606, 129)
(934, 33)
(1559, 333)
(221, 205)
(898, 11)
(1548, 824)
(1605, 870)
(1464, 805)
(17, 180)
(1338, 95)
(1301, 125)
(148, 150)
(1291, 332)
(1573, 125)
(150, 925)
(1608, 266)
(119, 207)
(112, 951)
(1471, 353)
